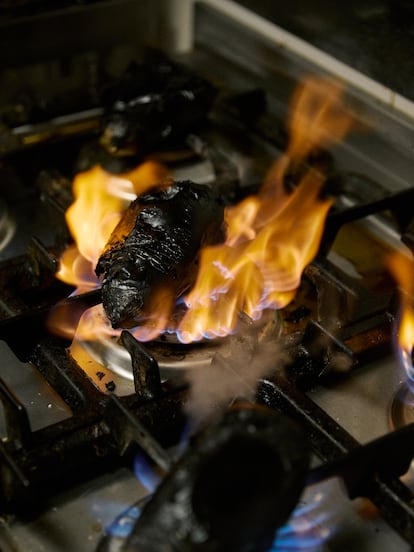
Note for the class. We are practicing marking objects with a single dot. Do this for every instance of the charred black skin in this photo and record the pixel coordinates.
(156, 245)
(153, 106)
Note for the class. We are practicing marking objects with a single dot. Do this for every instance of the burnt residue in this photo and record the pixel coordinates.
(231, 491)
(153, 105)
(156, 245)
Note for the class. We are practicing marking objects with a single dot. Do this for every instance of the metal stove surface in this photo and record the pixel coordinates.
(77, 520)
(360, 403)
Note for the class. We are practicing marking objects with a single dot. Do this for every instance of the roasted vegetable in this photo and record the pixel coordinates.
(153, 105)
(156, 244)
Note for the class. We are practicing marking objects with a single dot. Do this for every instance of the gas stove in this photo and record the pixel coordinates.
(87, 428)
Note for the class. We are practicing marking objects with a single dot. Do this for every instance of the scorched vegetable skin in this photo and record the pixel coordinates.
(156, 246)
(152, 106)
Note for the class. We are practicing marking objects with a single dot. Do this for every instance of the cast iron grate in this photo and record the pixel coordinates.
(104, 429)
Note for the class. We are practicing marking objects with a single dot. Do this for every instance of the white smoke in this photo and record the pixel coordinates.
(248, 357)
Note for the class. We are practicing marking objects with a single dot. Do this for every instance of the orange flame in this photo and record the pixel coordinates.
(271, 237)
(402, 269)
(100, 199)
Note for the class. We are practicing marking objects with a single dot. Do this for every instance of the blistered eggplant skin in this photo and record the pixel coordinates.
(157, 243)
(153, 105)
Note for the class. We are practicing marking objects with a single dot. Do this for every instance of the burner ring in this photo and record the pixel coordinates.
(7, 225)
(173, 357)
(402, 407)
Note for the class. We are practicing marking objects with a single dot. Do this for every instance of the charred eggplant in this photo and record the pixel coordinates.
(157, 243)
(152, 106)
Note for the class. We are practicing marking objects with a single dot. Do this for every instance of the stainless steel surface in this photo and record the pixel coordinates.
(362, 402)
(43, 404)
(74, 521)
(239, 58)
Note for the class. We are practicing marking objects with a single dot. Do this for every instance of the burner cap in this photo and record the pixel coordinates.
(173, 356)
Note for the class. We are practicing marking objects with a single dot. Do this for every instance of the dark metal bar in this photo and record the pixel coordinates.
(319, 350)
(64, 374)
(134, 430)
(31, 322)
(147, 379)
(326, 436)
(342, 297)
(395, 502)
(17, 421)
(388, 456)
(56, 457)
(41, 264)
(398, 203)
(13, 465)
(331, 442)
(90, 442)
(351, 324)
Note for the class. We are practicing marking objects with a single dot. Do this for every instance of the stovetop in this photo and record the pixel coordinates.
(337, 411)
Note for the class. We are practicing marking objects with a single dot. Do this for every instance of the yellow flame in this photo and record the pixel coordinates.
(319, 117)
(100, 199)
(94, 322)
(402, 269)
(272, 236)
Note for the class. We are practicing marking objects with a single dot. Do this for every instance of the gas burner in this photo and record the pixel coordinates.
(7, 225)
(174, 357)
(402, 407)
(308, 528)
(198, 501)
